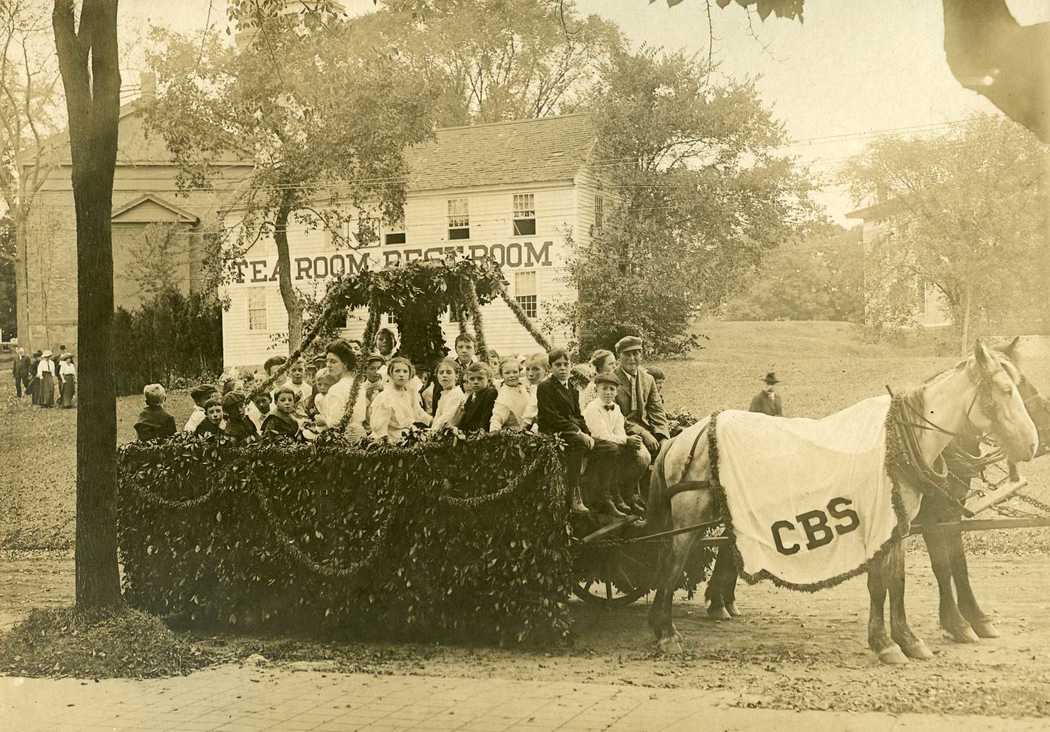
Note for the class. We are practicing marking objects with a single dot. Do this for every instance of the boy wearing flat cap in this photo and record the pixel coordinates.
(768, 401)
(638, 397)
(617, 460)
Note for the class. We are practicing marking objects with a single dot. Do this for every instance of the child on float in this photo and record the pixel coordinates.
(212, 422)
(237, 425)
(659, 378)
(397, 408)
(492, 358)
(558, 404)
(258, 409)
(536, 368)
(465, 346)
(200, 395)
(512, 400)
(448, 396)
(603, 362)
(480, 401)
(281, 421)
(617, 460)
(154, 421)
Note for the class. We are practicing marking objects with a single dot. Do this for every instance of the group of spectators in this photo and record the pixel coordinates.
(49, 379)
(609, 410)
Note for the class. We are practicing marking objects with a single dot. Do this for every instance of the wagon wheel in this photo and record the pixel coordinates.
(616, 587)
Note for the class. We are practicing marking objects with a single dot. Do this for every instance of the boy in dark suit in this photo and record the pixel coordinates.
(154, 422)
(477, 409)
(558, 407)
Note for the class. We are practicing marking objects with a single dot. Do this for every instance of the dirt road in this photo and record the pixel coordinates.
(790, 651)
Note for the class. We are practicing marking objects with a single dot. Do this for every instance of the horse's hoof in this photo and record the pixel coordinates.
(718, 612)
(892, 655)
(963, 634)
(986, 629)
(731, 609)
(917, 650)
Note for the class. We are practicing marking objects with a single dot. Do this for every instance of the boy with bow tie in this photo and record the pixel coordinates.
(617, 460)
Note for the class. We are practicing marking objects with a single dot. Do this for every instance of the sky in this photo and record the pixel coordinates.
(853, 70)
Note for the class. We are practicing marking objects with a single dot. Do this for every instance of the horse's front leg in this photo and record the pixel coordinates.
(686, 508)
(878, 639)
(893, 571)
(937, 545)
(980, 622)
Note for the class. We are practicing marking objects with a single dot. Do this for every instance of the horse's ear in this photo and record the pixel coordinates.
(984, 359)
(1010, 349)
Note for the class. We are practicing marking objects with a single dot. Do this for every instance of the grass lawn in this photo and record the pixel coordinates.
(824, 367)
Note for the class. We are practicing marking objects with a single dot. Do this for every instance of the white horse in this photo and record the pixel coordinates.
(979, 395)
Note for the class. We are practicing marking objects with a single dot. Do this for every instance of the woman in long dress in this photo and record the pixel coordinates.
(45, 374)
(341, 362)
(67, 372)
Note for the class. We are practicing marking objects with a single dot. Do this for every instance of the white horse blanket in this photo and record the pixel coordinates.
(810, 500)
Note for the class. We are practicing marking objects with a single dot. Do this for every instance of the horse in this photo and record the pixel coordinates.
(979, 394)
(959, 613)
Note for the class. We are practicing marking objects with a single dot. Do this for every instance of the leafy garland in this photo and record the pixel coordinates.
(455, 537)
(523, 319)
(475, 316)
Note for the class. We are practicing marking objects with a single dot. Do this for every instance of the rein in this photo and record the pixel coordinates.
(930, 479)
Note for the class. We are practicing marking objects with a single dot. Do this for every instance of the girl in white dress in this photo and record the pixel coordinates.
(397, 407)
(450, 397)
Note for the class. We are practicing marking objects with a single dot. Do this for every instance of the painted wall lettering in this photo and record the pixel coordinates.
(516, 254)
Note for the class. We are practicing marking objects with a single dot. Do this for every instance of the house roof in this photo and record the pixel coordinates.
(502, 153)
(176, 214)
(876, 211)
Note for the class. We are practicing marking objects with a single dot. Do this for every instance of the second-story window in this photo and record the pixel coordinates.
(458, 219)
(524, 214)
(395, 233)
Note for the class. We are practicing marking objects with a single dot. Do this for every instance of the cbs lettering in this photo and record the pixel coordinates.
(817, 527)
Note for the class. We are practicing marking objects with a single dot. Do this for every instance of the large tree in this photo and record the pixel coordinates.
(696, 195)
(324, 124)
(88, 60)
(987, 50)
(492, 60)
(821, 278)
(965, 213)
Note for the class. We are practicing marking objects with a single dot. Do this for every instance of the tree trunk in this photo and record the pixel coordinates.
(93, 106)
(967, 311)
(292, 304)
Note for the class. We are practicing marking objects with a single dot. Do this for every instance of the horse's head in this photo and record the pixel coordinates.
(1038, 406)
(998, 408)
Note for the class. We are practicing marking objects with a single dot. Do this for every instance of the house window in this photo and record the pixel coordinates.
(395, 233)
(524, 214)
(525, 292)
(599, 209)
(458, 219)
(257, 308)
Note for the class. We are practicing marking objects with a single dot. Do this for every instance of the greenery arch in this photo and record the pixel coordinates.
(414, 295)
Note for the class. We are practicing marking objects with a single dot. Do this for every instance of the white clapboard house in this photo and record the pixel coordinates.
(524, 192)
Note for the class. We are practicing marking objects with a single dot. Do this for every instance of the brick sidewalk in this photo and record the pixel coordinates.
(291, 698)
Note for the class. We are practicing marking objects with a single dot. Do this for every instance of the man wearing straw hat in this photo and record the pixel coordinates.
(768, 401)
